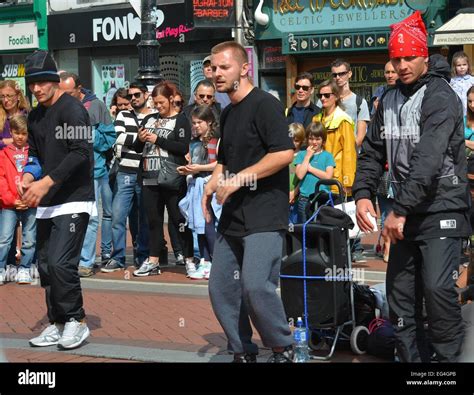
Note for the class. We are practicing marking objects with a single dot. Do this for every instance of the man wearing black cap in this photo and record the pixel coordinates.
(58, 179)
(221, 98)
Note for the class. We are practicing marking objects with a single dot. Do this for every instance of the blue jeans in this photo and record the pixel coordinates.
(138, 225)
(301, 205)
(7, 229)
(125, 190)
(88, 252)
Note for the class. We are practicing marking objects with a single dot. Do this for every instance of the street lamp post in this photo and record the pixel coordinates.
(148, 48)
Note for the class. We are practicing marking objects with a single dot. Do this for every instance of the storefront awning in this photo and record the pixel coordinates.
(457, 31)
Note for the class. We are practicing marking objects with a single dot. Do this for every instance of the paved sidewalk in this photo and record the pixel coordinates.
(137, 321)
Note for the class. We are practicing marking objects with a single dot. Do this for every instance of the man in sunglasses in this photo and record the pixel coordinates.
(204, 94)
(418, 127)
(303, 110)
(127, 189)
(355, 105)
(219, 98)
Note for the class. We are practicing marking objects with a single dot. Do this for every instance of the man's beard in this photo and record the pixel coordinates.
(140, 106)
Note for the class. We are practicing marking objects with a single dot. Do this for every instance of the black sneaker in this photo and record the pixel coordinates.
(111, 266)
(180, 260)
(282, 357)
(245, 358)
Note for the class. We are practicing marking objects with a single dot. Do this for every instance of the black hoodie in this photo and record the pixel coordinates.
(419, 129)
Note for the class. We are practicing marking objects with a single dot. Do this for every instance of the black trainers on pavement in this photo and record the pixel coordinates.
(282, 357)
(180, 260)
(245, 358)
(111, 266)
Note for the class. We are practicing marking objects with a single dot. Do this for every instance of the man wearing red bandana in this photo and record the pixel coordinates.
(418, 129)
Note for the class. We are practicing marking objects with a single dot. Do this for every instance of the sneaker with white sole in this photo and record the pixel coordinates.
(147, 268)
(203, 271)
(49, 337)
(190, 268)
(23, 276)
(74, 334)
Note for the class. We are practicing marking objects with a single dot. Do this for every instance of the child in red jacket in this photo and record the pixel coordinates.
(12, 161)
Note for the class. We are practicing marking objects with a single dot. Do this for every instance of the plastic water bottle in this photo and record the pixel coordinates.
(301, 342)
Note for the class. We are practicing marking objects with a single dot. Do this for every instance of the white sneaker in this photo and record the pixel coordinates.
(147, 268)
(23, 276)
(203, 271)
(49, 337)
(190, 268)
(74, 334)
(207, 273)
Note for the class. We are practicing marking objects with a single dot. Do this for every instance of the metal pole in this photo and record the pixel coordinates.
(238, 33)
(148, 48)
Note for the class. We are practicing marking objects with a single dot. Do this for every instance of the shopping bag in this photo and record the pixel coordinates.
(350, 209)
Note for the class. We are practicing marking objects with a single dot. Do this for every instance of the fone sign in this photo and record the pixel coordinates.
(118, 28)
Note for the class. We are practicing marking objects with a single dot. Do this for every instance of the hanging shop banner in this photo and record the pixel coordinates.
(113, 77)
(214, 13)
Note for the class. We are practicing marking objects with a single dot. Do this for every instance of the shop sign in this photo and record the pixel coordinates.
(317, 16)
(120, 26)
(299, 44)
(273, 58)
(15, 36)
(214, 13)
(14, 72)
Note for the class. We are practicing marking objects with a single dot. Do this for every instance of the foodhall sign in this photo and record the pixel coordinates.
(15, 36)
(330, 16)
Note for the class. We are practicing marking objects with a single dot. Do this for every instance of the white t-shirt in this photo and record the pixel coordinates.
(350, 107)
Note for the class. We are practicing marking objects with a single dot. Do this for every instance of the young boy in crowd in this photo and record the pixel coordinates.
(312, 165)
(12, 161)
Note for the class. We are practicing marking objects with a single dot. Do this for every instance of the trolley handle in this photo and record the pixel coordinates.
(330, 182)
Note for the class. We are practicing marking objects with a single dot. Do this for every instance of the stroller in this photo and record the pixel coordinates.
(316, 275)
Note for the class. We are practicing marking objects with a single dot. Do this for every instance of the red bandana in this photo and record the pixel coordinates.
(408, 38)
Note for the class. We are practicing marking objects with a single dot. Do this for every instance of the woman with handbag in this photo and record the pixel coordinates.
(164, 140)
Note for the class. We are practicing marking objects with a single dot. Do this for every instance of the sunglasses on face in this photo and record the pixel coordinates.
(178, 103)
(325, 95)
(209, 97)
(136, 95)
(304, 87)
(341, 74)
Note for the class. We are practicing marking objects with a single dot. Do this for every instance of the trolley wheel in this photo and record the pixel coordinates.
(316, 341)
(359, 340)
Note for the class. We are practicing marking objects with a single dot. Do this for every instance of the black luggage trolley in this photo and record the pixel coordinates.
(316, 279)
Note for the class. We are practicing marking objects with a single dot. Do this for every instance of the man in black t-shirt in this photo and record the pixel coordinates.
(251, 182)
(58, 179)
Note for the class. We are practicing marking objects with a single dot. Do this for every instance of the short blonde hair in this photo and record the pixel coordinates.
(19, 123)
(239, 50)
(297, 132)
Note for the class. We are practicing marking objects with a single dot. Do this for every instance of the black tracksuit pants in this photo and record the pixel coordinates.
(59, 242)
(425, 269)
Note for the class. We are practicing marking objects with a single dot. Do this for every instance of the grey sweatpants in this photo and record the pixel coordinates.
(242, 286)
